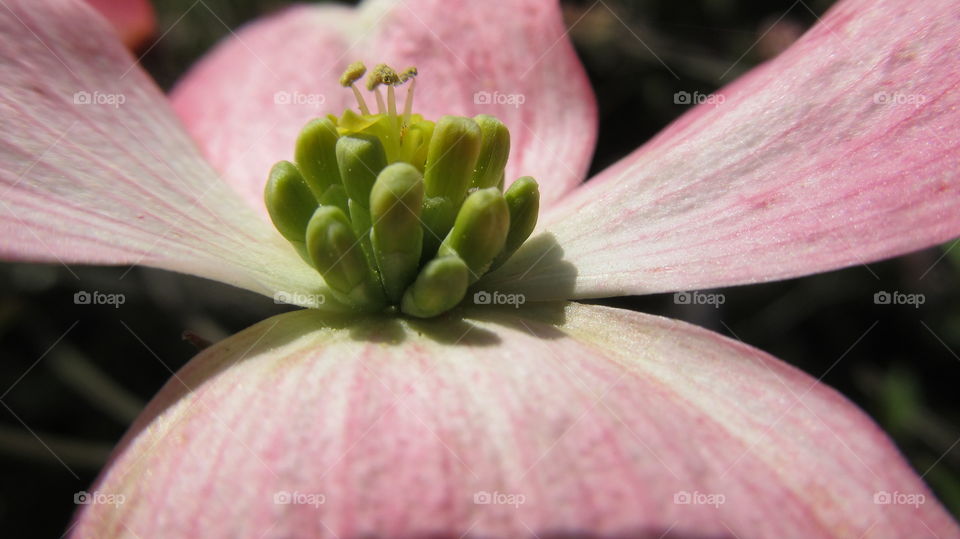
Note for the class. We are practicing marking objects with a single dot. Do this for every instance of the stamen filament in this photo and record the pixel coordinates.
(380, 107)
(391, 102)
(353, 72)
(408, 103)
(361, 102)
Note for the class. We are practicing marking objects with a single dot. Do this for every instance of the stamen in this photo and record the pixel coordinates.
(410, 74)
(373, 83)
(389, 77)
(350, 76)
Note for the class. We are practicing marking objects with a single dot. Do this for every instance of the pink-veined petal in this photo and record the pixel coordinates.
(612, 424)
(246, 101)
(134, 20)
(95, 168)
(843, 150)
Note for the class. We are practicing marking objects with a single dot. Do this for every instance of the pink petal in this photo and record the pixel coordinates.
(94, 167)
(229, 100)
(390, 429)
(132, 19)
(803, 168)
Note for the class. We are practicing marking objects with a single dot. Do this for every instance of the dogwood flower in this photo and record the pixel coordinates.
(554, 419)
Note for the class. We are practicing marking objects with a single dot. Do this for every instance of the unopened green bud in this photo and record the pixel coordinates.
(289, 201)
(494, 152)
(335, 252)
(316, 156)
(523, 199)
(451, 158)
(360, 221)
(438, 217)
(335, 195)
(479, 232)
(397, 235)
(360, 158)
(439, 287)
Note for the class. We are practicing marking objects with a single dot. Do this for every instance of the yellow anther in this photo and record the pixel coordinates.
(382, 74)
(408, 74)
(352, 74)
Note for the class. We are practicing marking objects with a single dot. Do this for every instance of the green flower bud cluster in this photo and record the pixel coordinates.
(395, 211)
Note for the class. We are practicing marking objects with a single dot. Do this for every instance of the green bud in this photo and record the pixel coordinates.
(289, 201)
(438, 217)
(360, 158)
(451, 158)
(479, 232)
(360, 222)
(397, 236)
(440, 286)
(494, 152)
(523, 200)
(335, 252)
(316, 157)
(335, 195)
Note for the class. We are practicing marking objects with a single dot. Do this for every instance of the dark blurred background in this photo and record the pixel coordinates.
(78, 374)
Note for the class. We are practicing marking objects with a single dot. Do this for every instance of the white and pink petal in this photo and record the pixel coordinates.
(95, 168)
(568, 421)
(843, 150)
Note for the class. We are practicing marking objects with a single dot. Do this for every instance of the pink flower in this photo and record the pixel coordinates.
(132, 19)
(558, 419)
